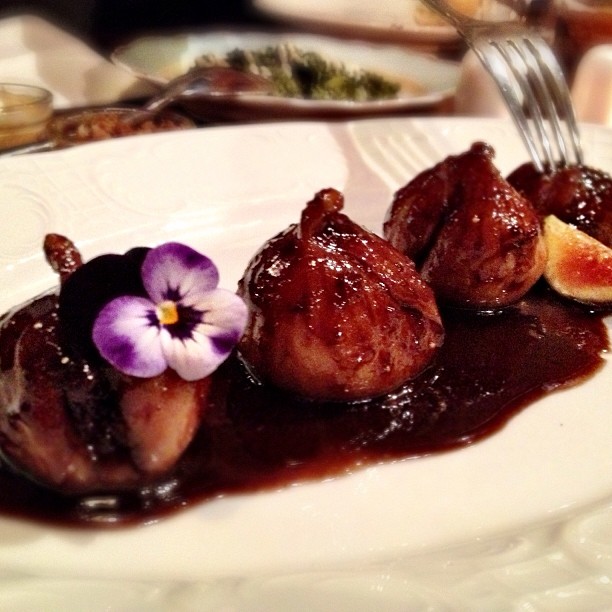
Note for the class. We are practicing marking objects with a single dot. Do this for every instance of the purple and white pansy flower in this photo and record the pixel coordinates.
(187, 323)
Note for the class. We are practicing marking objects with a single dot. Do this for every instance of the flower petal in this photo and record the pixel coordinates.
(174, 271)
(126, 337)
(212, 340)
(192, 358)
(223, 312)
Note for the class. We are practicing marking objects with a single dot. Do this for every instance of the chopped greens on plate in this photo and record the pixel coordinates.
(296, 73)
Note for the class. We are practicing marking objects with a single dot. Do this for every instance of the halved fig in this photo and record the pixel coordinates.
(579, 266)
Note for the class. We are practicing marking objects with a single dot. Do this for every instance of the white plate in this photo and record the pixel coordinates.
(522, 517)
(425, 80)
(402, 21)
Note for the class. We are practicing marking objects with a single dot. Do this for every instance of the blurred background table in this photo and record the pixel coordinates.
(99, 26)
(106, 23)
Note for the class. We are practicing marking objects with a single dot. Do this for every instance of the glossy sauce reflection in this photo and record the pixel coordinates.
(254, 437)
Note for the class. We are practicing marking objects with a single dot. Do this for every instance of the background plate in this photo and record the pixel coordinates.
(160, 58)
(388, 20)
(399, 21)
(520, 519)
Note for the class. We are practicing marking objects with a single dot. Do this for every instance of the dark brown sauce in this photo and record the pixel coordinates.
(255, 438)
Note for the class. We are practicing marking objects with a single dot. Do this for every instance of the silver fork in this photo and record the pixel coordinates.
(531, 83)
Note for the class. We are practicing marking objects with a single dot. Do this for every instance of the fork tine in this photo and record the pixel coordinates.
(536, 93)
(544, 97)
(542, 104)
(559, 90)
(503, 74)
(531, 84)
(530, 80)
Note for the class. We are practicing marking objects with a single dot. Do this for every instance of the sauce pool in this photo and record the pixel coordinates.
(255, 438)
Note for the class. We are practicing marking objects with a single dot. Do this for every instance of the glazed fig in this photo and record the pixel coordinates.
(579, 266)
(336, 312)
(476, 240)
(578, 195)
(69, 419)
(78, 428)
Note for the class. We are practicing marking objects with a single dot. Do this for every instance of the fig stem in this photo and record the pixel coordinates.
(63, 257)
(315, 215)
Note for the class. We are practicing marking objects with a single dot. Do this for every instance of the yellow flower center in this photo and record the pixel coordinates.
(167, 313)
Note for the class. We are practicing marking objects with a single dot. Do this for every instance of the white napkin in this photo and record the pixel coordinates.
(36, 52)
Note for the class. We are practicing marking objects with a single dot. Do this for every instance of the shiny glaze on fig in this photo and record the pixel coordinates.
(475, 239)
(77, 426)
(336, 312)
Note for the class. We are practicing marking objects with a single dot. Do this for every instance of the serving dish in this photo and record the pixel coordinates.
(522, 516)
(424, 80)
(36, 51)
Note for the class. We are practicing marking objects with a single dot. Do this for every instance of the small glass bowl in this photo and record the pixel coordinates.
(101, 124)
(24, 113)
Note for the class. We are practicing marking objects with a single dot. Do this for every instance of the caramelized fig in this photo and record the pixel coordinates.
(578, 195)
(476, 239)
(70, 421)
(75, 428)
(336, 312)
(579, 266)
